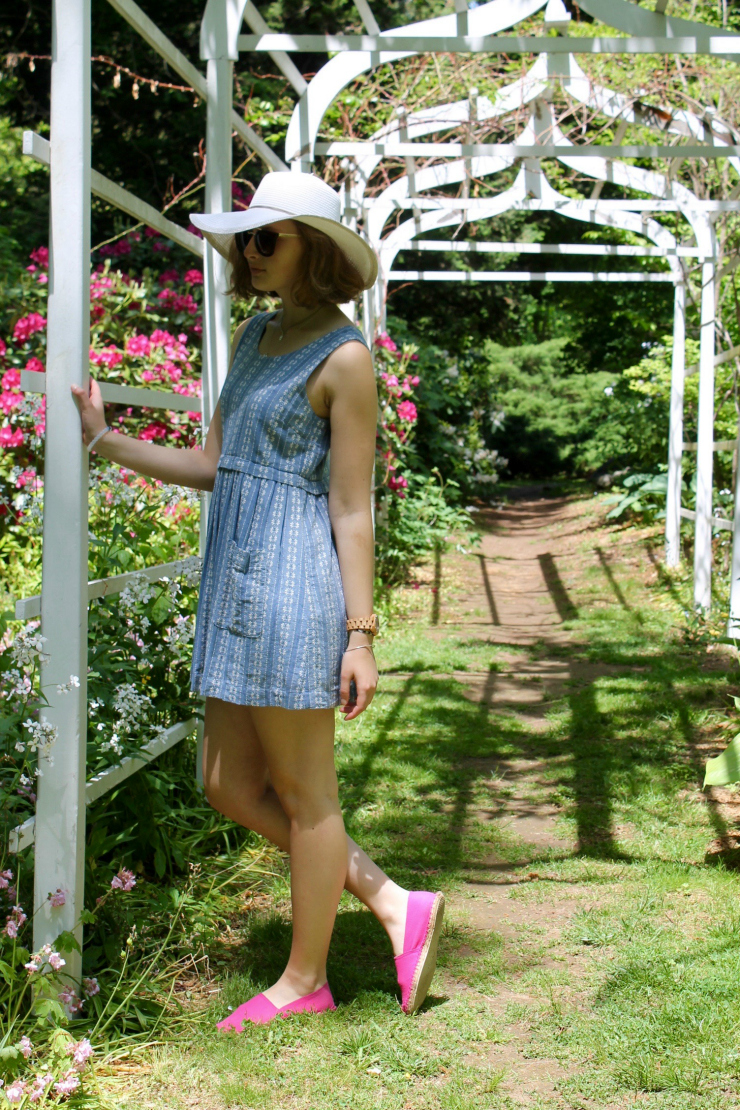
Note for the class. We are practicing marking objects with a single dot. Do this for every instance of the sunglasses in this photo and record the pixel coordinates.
(265, 241)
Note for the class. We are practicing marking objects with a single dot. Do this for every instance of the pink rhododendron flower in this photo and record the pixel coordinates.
(24, 1044)
(28, 326)
(31, 269)
(115, 250)
(164, 248)
(41, 256)
(80, 1051)
(11, 928)
(99, 286)
(9, 400)
(10, 438)
(42, 279)
(11, 379)
(415, 380)
(5, 878)
(58, 898)
(384, 340)
(152, 432)
(124, 880)
(69, 1083)
(109, 356)
(34, 365)
(148, 375)
(390, 380)
(193, 277)
(397, 484)
(178, 302)
(160, 338)
(150, 233)
(3, 347)
(138, 345)
(407, 411)
(90, 987)
(28, 477)
(168, 275)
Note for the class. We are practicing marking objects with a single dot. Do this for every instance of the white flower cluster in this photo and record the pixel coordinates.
(138, 592)
(41, 738)
(192, 572)
(20, 685)
(179, 635)
(27, 645)
(131, 706)
(65, 687)
(173, 587)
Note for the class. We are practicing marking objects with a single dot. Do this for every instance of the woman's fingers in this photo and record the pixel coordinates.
(366, 681)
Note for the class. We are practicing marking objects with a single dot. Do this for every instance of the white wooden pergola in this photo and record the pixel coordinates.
(59, 825)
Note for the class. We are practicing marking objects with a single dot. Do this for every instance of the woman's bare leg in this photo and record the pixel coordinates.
(237, 784)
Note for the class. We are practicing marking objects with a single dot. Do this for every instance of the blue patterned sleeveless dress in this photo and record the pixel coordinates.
(270, 627)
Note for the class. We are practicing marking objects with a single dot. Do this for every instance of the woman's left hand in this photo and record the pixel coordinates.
(360, 666)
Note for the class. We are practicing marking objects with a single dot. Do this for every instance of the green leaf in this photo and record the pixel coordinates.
(67, 942)
(725, 768)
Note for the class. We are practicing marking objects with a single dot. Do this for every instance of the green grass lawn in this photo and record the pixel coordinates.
(596, 968)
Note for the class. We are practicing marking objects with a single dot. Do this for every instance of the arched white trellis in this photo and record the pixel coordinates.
(58, 828)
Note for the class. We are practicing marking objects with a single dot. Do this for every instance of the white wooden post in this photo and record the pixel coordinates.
(675, 431)
(705, 445)
(216, 306)
(733, 623)
(60, 808)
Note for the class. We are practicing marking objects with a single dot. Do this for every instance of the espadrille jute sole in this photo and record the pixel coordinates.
(428, 959)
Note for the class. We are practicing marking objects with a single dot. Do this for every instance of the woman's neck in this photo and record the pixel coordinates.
(292, 315)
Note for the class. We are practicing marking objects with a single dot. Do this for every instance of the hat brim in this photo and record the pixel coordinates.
(219, 228)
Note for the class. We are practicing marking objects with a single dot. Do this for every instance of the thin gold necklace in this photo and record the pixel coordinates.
(303, 321)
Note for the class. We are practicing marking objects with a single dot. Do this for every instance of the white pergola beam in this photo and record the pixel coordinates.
(472, 276)
(36, 146)
(159, 42)
(722, 45)
(475, 246)
(23, 835)
(27, 608)
(34, 382)
(341, 149)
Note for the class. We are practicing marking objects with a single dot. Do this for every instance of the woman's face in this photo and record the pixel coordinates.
(278, 272)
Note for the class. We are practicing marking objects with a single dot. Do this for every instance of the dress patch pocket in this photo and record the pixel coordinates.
(242, 606)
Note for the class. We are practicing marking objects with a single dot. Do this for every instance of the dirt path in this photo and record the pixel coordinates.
(523, 596)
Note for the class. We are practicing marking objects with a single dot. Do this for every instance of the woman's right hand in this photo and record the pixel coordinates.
(92, 410)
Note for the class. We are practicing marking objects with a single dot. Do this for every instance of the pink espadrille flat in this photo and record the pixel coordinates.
(260, 1010)
(415, 966)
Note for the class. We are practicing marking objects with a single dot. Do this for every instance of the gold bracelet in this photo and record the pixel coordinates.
(358, 646)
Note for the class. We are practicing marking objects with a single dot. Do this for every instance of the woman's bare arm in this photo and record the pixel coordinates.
(351, 396)
(181, 466)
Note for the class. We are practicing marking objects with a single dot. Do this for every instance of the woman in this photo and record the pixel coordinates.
(285, 623)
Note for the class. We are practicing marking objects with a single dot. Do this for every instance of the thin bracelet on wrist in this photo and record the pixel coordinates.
(95, 439)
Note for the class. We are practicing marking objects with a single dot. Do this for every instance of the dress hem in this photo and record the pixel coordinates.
(261, 697)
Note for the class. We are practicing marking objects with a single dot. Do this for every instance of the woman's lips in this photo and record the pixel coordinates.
(256, 270)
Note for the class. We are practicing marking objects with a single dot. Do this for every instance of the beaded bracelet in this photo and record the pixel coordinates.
(93, 441)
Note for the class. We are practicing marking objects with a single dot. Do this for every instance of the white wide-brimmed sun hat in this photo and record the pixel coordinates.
(283, 195)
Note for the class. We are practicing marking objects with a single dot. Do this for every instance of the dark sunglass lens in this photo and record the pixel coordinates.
(242, 240)
(265, 242)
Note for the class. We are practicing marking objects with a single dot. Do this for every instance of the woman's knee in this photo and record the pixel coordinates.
(238, 800)
(305, 799)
